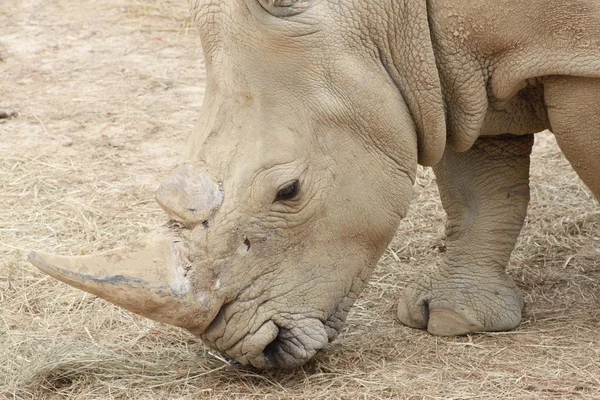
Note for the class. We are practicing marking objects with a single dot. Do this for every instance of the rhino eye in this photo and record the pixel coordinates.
(288, 192)
(285, 8)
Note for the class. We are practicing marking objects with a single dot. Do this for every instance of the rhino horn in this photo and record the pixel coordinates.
(150, 279)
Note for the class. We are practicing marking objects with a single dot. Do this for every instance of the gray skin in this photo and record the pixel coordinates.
(346, 97)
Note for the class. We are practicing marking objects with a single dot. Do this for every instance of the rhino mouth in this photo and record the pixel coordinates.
(273, 339)
(280, 342)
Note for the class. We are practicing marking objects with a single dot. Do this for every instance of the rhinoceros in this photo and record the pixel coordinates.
(316, 115)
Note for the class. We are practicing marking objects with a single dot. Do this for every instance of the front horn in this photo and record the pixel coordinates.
(153, 279)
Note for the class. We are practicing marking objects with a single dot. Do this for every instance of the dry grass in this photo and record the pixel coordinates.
(107, 91)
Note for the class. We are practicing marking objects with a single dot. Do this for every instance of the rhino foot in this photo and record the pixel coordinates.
(458, 305)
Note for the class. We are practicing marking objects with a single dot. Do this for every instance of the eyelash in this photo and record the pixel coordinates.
(285, 8)
(288, 192)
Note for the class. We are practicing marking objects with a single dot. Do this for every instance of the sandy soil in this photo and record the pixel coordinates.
(106, 93)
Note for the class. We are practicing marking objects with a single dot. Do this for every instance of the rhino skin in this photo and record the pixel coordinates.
(302, 164)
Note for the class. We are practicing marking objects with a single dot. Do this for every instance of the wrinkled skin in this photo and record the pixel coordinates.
(289, 270)
(315, 117)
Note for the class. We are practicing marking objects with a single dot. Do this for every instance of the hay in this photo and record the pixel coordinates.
(78, 167)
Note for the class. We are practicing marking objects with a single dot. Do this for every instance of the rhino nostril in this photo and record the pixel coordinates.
(205, 224)
(248, 244)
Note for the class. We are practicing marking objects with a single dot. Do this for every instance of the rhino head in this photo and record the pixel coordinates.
(293, 182)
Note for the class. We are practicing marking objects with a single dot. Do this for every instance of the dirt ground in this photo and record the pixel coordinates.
(107, 92)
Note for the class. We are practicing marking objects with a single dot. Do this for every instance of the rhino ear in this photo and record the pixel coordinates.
(286, 8)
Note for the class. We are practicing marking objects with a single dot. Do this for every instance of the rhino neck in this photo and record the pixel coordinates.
(406, 52)
(463, 72)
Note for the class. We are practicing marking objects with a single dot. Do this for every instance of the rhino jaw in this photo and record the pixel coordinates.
(152, 279)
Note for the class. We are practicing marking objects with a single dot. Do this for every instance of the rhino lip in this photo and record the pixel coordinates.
(285, 344)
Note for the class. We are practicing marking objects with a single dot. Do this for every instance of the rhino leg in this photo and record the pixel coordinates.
(574, 111)
(485, 192)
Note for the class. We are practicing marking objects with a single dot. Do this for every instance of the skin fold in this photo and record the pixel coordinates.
(301, 167)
